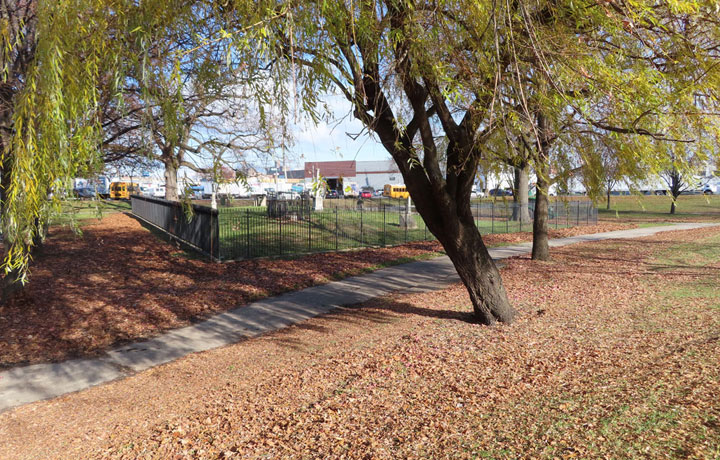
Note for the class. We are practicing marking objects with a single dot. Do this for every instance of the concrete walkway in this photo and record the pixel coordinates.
(27, 384)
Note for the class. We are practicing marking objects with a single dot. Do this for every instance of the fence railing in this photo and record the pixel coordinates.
(289, 228)
(200, 231)
(250, 232)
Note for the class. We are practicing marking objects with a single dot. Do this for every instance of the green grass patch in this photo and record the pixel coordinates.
(699, 258)
(688, 207)
(694, 291)
(653, 224)
(249, 233)
(84, 210)
(695, 254)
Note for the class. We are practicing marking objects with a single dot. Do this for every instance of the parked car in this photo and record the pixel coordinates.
(500, 192)
(146, 190)
(159, 191)
(332, 194)
(84, 192)
(288, 195)
(366, 192)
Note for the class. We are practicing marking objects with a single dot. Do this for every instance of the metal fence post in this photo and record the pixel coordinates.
(492, 218)
(384, 235)
(507, 221)
(309, 220)
(336, 229)
(361, 227)
(280, 231)
(577, 222)
(587, 214)
(247, 233)
(567, 216)
(213, 241)
(407, 219)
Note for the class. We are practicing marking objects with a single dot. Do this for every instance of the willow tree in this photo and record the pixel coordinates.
(383, 56)
(416, 71)
(642, 72)
(186, 98)
(66, 66)
(55, 60)
(18, 22)
(52, 60)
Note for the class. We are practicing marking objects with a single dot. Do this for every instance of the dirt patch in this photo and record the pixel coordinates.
(119, 283)
(600, 364)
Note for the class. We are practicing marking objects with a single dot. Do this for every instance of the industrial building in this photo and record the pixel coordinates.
(337, 174)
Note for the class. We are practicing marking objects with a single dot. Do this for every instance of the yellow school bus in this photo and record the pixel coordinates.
(123, 190)
(395, 191)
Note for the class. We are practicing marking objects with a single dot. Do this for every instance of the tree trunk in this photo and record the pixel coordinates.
(676, 185)
(608, 198)
(477, 270)
(541, 246)
(171, 181)
(442, 198)
(520, 197)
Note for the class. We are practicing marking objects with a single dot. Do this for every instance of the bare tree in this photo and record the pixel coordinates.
(188, 105)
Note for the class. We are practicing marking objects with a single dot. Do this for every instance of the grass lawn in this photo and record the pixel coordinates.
(85, 210)
(249, 233)
(614, 354)
(656, 208)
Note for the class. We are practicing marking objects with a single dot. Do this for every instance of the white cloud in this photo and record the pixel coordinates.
(329, 140)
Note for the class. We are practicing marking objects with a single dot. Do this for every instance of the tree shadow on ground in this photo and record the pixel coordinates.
(380, 311)
(118, 283)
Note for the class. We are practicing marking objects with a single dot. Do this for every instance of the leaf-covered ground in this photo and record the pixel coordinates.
(615, 354)
(119, 282)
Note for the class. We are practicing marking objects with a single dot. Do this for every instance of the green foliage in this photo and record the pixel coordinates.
(56, 128)
(634, 75)
(89, 54)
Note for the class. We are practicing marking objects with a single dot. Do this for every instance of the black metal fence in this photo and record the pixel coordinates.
(250, 232)
(287, 228)
(508, 217)
(254, 232)
(200, 231)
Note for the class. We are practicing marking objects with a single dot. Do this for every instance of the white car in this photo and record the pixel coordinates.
(159, 192)
(477, 194)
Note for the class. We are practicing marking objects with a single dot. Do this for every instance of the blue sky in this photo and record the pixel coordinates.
(328, 141)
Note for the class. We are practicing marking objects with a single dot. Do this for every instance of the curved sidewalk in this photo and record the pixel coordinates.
(27, 384)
